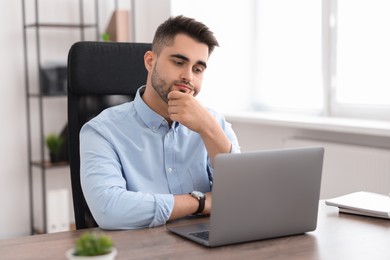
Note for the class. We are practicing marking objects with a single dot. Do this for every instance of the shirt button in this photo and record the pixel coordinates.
(170, 169)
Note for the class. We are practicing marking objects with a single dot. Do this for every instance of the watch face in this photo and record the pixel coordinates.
(197, 194)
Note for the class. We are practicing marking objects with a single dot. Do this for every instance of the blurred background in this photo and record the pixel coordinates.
(287, 73)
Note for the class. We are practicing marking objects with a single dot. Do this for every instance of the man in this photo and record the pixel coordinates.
(149, 161)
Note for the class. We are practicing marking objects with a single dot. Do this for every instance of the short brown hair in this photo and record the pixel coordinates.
(167, 31)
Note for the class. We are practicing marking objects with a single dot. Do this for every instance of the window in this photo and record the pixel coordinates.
(324, 57)
(288, 47)
(318, 57)
(361, 77)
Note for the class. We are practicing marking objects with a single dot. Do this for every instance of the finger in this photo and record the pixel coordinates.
(173, 102)
(174, 94)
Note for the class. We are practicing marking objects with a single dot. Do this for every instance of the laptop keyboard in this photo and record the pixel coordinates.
(201, 234)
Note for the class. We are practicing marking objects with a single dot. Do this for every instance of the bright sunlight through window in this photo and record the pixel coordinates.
(289, 55)
(363, 52)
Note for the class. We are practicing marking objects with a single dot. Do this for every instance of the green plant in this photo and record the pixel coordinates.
(92, 244)
(54, 143)
(106, 37)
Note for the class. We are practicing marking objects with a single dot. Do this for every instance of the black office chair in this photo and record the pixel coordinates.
(100, 74)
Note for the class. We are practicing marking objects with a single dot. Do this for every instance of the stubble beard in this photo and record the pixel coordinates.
(161, 86)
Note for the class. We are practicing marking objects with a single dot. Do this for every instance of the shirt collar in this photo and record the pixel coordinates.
(147, 115)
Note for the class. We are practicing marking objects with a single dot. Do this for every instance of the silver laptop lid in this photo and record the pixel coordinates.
(265, 194)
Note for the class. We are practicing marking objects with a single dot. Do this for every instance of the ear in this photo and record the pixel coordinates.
(149, 60)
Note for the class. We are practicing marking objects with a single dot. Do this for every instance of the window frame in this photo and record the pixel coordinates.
(331, 107)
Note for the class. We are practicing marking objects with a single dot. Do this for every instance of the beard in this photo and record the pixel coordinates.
(163, 86)
(160, 85)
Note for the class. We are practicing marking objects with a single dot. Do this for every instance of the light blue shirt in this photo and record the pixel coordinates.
(132, 163)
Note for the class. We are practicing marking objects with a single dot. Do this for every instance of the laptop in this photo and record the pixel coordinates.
(260, 195)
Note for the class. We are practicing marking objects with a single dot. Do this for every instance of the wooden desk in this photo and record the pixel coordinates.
(338, 236)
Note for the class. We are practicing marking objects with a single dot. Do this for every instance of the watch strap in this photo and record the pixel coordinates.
(201, 201)
(201, 205)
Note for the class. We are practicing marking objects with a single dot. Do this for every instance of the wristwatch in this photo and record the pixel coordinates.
(201, 198)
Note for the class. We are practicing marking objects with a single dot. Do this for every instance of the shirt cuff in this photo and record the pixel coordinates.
(235, 149)
(163, 209)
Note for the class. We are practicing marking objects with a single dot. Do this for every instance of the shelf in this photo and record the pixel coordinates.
(45, 90)
(60, 25)
(331, 124)
(39, 231)
(36, 95)
(49, 165)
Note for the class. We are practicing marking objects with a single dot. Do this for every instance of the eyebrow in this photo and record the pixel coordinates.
(182, 57)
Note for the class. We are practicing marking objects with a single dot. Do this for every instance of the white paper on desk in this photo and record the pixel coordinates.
(363, 203)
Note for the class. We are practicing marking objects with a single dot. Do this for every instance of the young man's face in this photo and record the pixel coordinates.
(180, 67)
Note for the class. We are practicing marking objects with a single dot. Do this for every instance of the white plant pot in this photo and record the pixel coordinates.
(111, 256)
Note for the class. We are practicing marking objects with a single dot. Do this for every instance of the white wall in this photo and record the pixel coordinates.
(352, 161)
(149, 14)
(14, 206)
(254, 135)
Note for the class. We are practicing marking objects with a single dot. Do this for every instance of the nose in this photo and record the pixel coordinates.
(186, 74)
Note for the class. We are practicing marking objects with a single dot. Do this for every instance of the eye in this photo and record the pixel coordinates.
(178, 62)
(198, 69)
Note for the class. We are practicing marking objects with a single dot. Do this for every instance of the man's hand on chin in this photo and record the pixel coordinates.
(187, 110)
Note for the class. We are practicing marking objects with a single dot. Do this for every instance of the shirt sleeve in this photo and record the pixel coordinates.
(235, 147)
(231, 135)
(104, 188)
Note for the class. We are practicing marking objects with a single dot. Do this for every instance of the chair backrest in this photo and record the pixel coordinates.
(100, 74)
